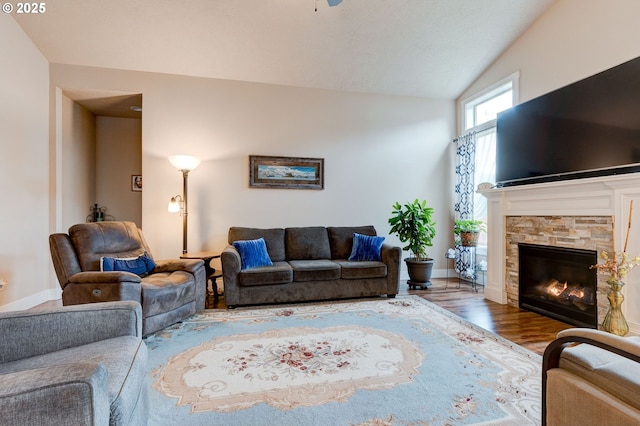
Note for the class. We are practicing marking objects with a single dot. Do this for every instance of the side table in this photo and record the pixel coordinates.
(211, 274)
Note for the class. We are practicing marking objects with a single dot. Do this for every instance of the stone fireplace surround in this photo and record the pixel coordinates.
(580, 232)
(573, 213)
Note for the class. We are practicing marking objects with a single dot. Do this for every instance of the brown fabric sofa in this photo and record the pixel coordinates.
(594, 383)
(309, 263)
(172, 291)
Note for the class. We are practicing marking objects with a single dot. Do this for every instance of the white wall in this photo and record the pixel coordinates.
(377, 150)
(118, 157)
(24, 171)
(78, 162)
(574, 40)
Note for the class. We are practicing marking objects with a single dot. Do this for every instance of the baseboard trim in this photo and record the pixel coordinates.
(31, 301)
(435, 273)
(494, 295)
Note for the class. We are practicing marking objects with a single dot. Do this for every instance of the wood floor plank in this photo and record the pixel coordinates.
(527, 329)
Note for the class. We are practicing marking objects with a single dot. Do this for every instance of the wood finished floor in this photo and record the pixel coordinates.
(528, 329)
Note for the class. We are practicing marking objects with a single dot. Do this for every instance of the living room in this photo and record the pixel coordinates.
(378, 148)
(224, 121)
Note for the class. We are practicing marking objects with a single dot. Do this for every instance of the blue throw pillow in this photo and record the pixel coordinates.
(253, 253)
(140, 265)
(366, 247)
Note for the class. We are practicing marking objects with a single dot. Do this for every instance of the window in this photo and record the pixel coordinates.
(482, 111)
(479, 115)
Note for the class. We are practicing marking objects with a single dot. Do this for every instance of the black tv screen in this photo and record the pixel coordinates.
(589, 128)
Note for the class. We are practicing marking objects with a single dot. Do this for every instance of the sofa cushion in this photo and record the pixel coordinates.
(366, 247)
(72, 394)
(140, 265)
(618, 375)
(124, 359)
(341, 239)
(360, 270)
(315, 270)
(253, 253)
(273, 237)
(307, 243)
(279, 273)
(165, 291)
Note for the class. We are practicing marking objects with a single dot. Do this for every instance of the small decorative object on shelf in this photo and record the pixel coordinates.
(469, 274)
(481, 275)
(450, 254)
(98, 214)
(617, 266)
(482, 265)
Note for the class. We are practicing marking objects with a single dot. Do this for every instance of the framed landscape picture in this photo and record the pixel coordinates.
(286, 172)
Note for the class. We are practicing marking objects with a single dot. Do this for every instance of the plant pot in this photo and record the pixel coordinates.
(469, 239)
(419, 272)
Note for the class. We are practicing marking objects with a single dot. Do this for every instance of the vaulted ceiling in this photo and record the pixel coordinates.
(426, 48)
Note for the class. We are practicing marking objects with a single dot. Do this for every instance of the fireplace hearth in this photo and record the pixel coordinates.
(558, 282)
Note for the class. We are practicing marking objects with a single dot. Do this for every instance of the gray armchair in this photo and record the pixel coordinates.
(171, 291)
(78, 365)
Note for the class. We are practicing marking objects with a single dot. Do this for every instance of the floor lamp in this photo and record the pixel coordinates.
(184, 163)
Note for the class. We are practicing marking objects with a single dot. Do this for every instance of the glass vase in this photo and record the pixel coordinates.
(614, 322)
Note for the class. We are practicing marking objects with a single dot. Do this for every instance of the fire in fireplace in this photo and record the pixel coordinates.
(558, 282)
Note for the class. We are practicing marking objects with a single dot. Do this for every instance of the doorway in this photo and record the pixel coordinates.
(98, 156)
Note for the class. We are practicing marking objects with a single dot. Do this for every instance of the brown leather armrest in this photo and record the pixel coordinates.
(99, 277)
(171, 265)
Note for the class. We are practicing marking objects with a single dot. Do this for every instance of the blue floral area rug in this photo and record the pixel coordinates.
(402, 361)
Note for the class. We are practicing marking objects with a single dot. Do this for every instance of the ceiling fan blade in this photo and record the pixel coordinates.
(334, 2)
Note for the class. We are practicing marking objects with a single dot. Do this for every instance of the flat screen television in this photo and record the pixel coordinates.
(586, 129)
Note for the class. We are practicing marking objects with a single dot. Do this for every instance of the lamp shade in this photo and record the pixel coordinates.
(184, 162)
(174, 205)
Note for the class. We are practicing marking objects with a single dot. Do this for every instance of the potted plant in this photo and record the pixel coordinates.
(412, 223)
(467, 231)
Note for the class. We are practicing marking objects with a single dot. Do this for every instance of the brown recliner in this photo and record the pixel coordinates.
(170, 292)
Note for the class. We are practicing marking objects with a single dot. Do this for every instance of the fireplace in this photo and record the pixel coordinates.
(558, 282)
(577, 214)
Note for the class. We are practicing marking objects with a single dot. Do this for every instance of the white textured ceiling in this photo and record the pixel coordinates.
(426, 48)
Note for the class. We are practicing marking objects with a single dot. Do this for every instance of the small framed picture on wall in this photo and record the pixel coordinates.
(136, 182)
